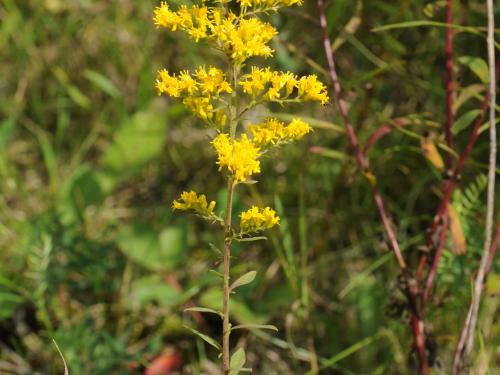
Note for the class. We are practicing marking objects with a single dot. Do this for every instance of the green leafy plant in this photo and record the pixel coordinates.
(221, 99)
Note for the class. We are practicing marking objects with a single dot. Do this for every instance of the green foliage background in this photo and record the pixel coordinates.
(90, 160)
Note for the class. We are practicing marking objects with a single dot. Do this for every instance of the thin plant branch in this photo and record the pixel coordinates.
(449, 82)
(478, 285)
(457, 363)
(226, 327)
(410, 288)
(449, 188)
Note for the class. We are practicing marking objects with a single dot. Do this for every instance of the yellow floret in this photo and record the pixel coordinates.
(192, 201)
(311, 89)
(272, 131)
(240, 157)
(257, 219)
(269, 3)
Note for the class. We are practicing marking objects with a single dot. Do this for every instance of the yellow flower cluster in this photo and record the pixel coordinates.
(277, 86)
(240, 157)
(256, 219)
(198, 89)
(269, 3)
(246, 39)
(272, 131)
(240, 38)
(195, 21)
(192, 201)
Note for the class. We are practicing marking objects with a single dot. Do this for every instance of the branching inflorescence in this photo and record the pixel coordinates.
(220, 98)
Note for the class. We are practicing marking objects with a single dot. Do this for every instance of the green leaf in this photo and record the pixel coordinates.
(467, 93)
(251, 239)
(255, 326)
(136, 142)
(81, 191)
(206, 310)
(465, 120)
(9, 302)
(155, 250)
(101, 82)
(247, 278)
(150, 289)
(240, 311)
(237, 361)
(215, 249)
(206, 338)
(329, 153)
(477, 65)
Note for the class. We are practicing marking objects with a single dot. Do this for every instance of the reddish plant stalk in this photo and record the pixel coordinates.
(448, 190)
(411, 288)
(437, 257)
(449, 83)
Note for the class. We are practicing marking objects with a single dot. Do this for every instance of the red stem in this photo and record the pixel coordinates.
(449, 83)
(411, 289)
(437, 257)
(449, 188)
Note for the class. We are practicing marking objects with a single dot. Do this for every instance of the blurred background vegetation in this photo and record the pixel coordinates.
(91, 158)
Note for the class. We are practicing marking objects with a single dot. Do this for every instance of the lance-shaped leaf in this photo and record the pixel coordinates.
(206, 338)
(237, 362)
(251, 239)
(205, 310)
(243, 280)
(255, 326)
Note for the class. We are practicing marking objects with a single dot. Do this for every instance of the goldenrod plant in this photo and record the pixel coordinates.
(220, 98)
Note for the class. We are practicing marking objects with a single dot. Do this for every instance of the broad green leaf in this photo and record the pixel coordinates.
(150, 289)
(247, 278)
(155, 250)
(136, 142)
(81, 191)
(477, 65)
(101, 82)
(237, 361)
(255, 326)
(465, 120)
(206, 338)
(206, 310)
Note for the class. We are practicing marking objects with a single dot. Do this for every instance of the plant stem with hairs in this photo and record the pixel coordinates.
(226, 326)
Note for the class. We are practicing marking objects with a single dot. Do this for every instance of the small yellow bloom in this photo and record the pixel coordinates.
(246, 39)
(240, 157)
(212, 81)
(279, 86)
(311, 89)
(200, 106)
(192, 201)
(273, 132)
(257, 219)
(194, 21)
(269, 3)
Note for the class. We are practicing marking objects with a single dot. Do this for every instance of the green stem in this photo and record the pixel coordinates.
(226, 326)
